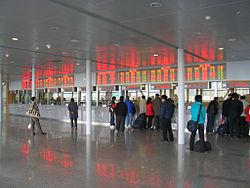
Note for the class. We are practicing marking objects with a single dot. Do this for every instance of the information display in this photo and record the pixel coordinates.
(236, 84)
(50, 82)
(203, 72)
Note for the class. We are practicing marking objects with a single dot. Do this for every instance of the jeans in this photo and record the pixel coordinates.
(167, 129)
(129, 119)
(157, 122)
(112, 118)
(75, 120)
(120, 122)
(234, 126)
(210, 122)
(201, 136)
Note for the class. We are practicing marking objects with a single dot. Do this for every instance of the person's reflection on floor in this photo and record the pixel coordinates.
(74, 135)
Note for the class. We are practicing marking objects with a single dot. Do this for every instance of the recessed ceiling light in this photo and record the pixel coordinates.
(55, 28)
(7, 55)
(12, 62)
(155, 5)
(208, 17)
(232, 39)
(78, 64)
(74, 40)
(64, 53)
(14, 38)
(220, 48)
(156, 55)
(197, 33)
(37, 48)
(237, 12)
(48, 46)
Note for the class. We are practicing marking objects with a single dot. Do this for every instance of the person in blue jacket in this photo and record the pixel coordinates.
(194, 113)
(130, 115)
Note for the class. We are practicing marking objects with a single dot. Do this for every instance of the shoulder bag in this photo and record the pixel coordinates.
(193, 125)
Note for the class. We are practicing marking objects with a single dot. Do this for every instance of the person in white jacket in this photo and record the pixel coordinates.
(142, 105)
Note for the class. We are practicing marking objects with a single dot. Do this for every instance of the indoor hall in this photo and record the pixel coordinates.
(66, 158)
(93, 50)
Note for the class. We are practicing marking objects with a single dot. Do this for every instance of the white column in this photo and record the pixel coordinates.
(181, 97)
(215, 89)
(1, 98)
(88, 97)
(97, 96)
(33, 77)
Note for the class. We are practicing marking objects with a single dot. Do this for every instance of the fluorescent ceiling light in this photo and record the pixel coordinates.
(14, 38)
(232, 40)
(156, 55)
(208, 17)
(221, 48)
(7, 55)
(48, 46)
(155, 5)
(78, 64)
(74, 40)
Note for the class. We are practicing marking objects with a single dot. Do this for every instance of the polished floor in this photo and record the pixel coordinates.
(70, 159)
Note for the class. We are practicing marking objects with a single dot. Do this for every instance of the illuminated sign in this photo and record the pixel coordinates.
(236, 84)
(161, 86)
(131, 87)
(204, 72)
(202, 85)
(50, 82)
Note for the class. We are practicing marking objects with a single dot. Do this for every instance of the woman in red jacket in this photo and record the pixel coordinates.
(149, 113)
(247, 112)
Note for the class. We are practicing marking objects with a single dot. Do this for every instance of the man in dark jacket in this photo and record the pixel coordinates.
(73, 112)
(212, 111)
(166, 114)
(121, 112)
(225, 112)
(236, 108)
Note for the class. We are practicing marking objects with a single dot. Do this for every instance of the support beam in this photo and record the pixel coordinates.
(181, 97)
(88, 97)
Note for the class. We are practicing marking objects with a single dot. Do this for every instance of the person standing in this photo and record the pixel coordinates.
(129, 117)
(236, 108)
(243, 123)
(212, 111)
(111, 111)
(247, 113)
(166, 114)
(34, 114)
(156, 108)
(225, 112)
(198, 113)
(121, 112)
(149, 113)
(142, 105)
(73, 112)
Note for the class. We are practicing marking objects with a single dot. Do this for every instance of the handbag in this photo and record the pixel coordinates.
(193, 125)
(32, 112)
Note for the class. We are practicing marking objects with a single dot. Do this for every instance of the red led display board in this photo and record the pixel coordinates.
(50, 82)
(204, 72)
(236, 84)
(161, 86)
(201, 85)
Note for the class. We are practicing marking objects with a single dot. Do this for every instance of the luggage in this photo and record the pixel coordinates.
(140, 122)
(202, 146)
(221, 130)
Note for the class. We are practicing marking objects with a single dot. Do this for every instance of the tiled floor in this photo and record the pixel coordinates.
(65, 159)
